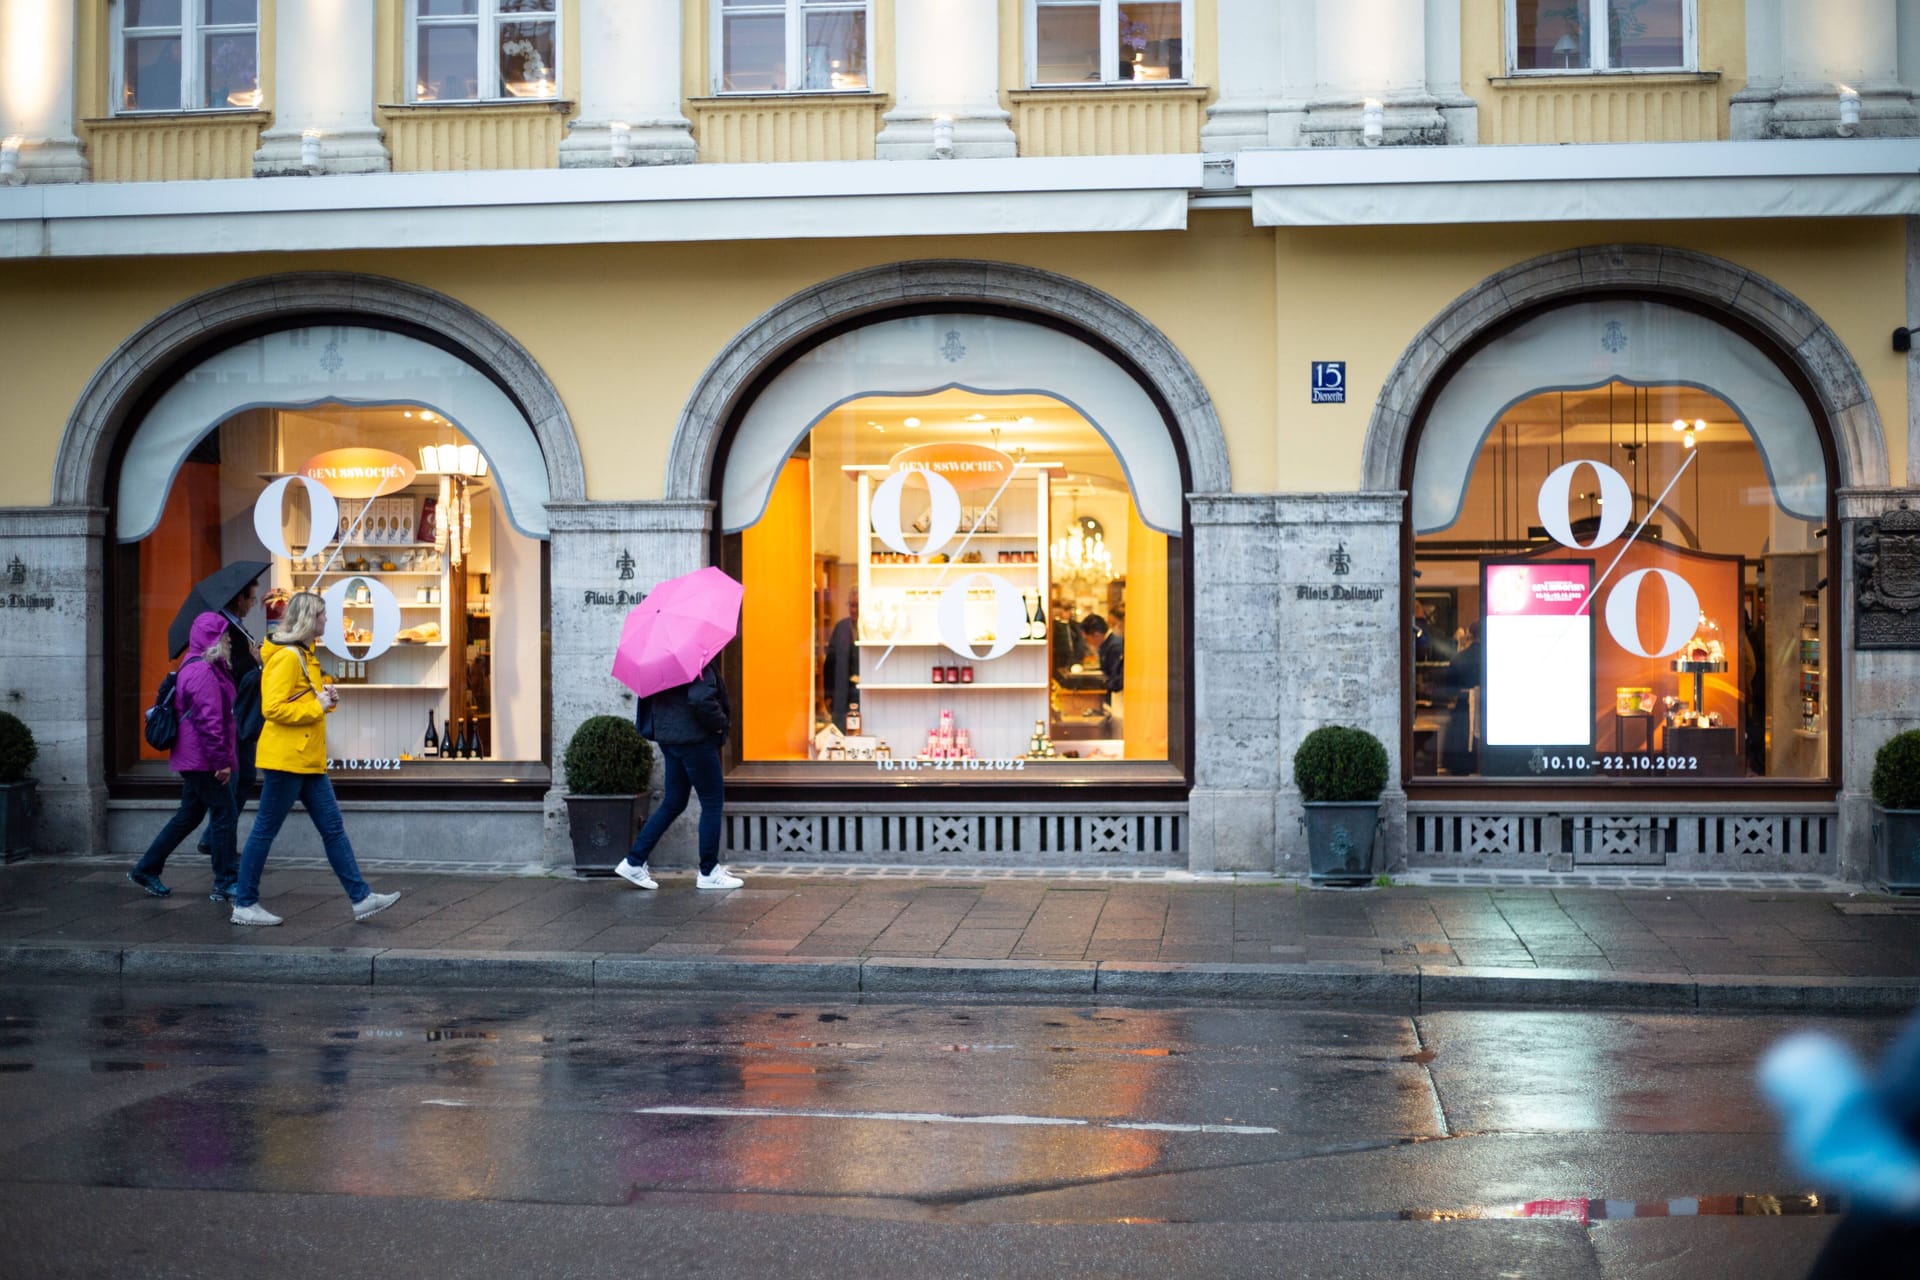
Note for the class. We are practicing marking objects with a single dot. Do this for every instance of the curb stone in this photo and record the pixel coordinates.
(1423, 988)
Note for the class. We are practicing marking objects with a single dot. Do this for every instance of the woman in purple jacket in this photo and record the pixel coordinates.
(203, 755)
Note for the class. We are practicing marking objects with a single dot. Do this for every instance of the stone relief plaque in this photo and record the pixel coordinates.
(1886, 561)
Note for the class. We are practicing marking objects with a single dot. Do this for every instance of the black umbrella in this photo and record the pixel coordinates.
(210, 595)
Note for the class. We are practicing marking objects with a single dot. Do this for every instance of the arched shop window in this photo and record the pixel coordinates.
(384, 472)
(957, 573)
(1619, 513)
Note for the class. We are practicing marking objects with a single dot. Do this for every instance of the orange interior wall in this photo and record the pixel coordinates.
(182, 549)
(776, 562)
(1145, 725)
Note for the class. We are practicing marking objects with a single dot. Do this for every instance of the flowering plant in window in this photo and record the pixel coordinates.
(535, 76)
(1133, 35)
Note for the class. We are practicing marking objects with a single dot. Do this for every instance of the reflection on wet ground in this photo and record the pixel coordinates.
(1030, 1113)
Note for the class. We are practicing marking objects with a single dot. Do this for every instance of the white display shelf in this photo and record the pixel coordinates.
(943, 686)
(348, 687)
(368, 573)
(935, 644)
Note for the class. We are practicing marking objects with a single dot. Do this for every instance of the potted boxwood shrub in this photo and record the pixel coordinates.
(608, 764)
(17, 752)
(1340, 772)
(1896, 813)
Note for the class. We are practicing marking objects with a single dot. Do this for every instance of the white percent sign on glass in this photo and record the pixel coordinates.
(943, 522)
(1623, 602)
(323, 524)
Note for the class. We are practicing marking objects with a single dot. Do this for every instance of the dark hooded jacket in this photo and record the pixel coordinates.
(694, 714)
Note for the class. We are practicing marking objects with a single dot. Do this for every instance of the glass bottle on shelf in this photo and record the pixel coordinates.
(853, 719)
(430, 748)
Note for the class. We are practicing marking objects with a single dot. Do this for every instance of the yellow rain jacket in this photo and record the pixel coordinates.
(294, 738)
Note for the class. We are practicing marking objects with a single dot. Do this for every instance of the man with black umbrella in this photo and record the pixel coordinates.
(233, 591)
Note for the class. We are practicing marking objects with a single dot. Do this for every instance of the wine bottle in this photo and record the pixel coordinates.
(470, 741)
(460, 740)
(430, 749)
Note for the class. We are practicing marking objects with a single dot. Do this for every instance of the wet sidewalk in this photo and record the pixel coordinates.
(1180, 935)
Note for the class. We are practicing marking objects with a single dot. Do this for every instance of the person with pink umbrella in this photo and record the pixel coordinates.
(668, 654)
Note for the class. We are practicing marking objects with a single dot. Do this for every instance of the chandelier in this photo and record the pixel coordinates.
(1082, 556)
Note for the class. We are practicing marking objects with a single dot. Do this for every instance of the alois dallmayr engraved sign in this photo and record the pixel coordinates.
(1886, 557)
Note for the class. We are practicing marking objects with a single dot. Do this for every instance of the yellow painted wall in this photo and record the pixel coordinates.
(1612, 108)
(1249, 308)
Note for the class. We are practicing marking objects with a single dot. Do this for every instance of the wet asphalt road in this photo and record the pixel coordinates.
(249, 1131)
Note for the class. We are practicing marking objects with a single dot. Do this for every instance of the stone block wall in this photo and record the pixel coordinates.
(1879, 689)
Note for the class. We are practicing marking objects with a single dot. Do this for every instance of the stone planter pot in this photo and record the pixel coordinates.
(1340, 841)
(16, 818)
(603, 828)
(1896, 849)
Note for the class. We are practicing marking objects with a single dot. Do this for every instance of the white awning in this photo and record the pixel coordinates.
(1642, 181)
(600, 206)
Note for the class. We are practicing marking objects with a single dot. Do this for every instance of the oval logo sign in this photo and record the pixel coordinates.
(964, 466)
(359, 473)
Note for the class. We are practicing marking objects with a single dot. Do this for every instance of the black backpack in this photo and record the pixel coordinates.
(163, 722)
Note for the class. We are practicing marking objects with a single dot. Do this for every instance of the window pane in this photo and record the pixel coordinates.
(221, 13)
(526, 6)
(152, 74)
(447, 8)
(754, 54)
(1066, 44)
(153, 13)
(449, 64)
(1551, 34)
(232, 72)
(526, 59)
(1645, 33)
(836, 51)
(1150, 43)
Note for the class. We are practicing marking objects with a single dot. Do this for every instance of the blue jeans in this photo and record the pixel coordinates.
(689, 767)
(240, 783)
(200, 797)
(277, 794)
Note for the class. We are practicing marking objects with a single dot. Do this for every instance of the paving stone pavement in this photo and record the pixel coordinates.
(1674, 932)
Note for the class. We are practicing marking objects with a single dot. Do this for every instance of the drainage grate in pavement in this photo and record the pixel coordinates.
(1628, 880)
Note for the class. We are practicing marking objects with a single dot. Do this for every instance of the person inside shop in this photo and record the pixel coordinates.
(1458, 750)
(1067, 648)
(1112, 651)
(690, 723)
(843, 663)
(243, 662)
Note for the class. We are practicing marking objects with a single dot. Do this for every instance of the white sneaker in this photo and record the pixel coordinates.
(255, 914)
(635, 876)
(373, 904)
(719, 879)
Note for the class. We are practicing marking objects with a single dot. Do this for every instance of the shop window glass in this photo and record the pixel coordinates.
(813, 46)
(174, 56)
(1108, 41)
(485, 50)
(956, 583)
(439, 585)
(1600, 35)
(1620, 514)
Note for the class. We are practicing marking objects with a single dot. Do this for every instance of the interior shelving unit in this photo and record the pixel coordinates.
(413, 676)
(899, 701)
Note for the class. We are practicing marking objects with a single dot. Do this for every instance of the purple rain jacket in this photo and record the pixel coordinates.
(203, 700)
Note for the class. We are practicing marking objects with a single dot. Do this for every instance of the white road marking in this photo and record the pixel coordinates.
(935, 1117)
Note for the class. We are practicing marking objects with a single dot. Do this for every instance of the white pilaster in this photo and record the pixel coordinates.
(947, 72)
(1822, 50)
(36, 94)
(1371, 50)
(323, 93)
(629, 87)
(1255, 38)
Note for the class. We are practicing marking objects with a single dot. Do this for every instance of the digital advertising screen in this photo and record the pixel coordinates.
(1538, 640)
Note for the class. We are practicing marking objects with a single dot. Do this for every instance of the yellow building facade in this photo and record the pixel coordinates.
(1264, 335)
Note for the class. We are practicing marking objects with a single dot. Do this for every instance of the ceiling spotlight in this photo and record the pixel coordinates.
(1024, 422)
(910, 422)
(976, 417)
(408, 414)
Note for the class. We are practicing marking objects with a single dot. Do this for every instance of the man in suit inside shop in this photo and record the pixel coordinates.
(1107, 643)
(843, 663)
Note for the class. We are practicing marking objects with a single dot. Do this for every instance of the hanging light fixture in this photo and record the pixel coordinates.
(1689, 430)
(1081, 555)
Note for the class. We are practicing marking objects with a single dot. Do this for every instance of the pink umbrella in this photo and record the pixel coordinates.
(678, 629)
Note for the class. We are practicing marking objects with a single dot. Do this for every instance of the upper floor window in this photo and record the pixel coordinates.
(1567, 36)
(485, 50)
(1108, 41)
(187, 55)
(792, 46)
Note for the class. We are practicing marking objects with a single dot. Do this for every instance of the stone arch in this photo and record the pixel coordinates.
(733, 373)
(164, 345)
(1812, 349)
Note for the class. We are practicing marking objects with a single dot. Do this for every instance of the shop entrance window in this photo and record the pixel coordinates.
(958, 584)
(395, 511)
(1620, 514)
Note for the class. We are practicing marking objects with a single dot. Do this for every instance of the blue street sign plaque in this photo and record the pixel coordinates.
(1329, 381)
